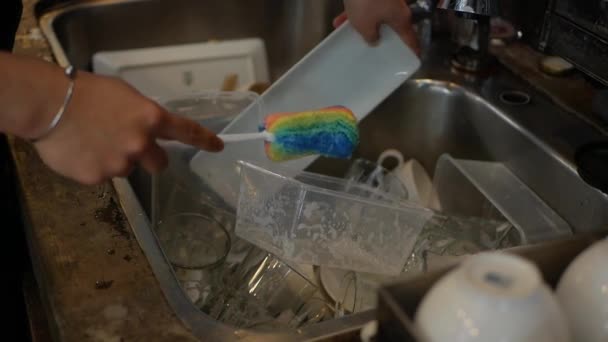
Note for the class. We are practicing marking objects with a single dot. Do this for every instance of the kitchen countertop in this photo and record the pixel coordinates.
(94, 280)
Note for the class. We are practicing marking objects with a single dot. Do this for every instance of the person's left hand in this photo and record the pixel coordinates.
(367, 15)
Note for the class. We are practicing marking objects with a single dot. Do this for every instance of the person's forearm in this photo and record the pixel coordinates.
(106, 128)
(31, 92)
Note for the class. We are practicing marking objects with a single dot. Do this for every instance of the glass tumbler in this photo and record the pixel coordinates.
(196, 245)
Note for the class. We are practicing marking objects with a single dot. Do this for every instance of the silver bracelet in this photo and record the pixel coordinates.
(70, 72)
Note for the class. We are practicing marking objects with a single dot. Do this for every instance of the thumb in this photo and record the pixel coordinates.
(340, 19)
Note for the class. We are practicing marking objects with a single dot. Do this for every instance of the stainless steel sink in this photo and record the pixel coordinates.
(289, 28)
(438, 112)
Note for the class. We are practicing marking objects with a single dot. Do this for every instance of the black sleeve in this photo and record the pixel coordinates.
(10, 15)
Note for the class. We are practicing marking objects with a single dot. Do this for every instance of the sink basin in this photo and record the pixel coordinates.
(437, 112)
(287, 27)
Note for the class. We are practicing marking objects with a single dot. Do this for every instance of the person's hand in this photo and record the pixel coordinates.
(366, 16)
(109, 126)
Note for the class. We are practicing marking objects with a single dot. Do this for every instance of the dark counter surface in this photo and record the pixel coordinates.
(94, 280)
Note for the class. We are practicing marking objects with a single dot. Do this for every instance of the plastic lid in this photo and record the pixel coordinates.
(592, 164)
(204, 105)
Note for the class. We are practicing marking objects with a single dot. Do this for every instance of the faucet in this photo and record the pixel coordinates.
(465, 58)
(486, 8)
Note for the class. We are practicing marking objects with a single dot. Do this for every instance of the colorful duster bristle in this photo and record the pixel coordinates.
(330, 132)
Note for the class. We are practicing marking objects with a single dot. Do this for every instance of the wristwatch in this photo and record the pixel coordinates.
(70, 73)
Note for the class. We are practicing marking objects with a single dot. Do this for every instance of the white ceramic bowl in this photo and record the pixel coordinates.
(417, 181)
(492, 297)
(583, 293)
(412, 175)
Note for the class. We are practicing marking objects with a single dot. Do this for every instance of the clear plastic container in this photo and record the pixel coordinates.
(190, 221)
(177, 189)
(489, 190)
(212, 109)
(319, 220)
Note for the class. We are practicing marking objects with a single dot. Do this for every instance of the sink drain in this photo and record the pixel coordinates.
(515, 98)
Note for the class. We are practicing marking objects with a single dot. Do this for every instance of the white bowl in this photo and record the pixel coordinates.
(492, 297)
(417, 181)
(583, 293)
(412, 175)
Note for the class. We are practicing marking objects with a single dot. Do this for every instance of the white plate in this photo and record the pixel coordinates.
(342, 70)
(173, 70)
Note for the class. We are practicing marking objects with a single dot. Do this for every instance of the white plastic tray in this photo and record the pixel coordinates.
(342, 70)
(177, 190)
(175, 70)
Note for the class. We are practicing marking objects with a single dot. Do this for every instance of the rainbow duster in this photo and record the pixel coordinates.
(330, 132)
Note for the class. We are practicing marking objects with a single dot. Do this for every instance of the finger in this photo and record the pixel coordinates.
(340, 19)
(405, 31)
(154, 159)
(368, 31)
(189, 132)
